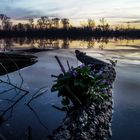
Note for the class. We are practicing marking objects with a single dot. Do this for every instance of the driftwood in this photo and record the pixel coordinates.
(82, 57)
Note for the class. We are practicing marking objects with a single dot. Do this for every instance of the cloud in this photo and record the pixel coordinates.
(19, 12)
(133, 21)
(77, 9)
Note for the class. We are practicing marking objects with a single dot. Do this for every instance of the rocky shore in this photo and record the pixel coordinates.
(93, 120)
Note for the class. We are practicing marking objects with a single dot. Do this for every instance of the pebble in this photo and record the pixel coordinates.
(93, 121)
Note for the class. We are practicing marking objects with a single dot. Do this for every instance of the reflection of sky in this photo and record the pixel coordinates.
(72, 9)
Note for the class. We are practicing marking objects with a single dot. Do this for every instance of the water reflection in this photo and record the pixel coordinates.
(102, 43)
(39, 75)
(121, 49)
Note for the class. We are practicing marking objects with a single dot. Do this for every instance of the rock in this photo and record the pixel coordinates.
(92, 121)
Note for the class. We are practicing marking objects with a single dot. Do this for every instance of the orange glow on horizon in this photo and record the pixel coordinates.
(121, 23)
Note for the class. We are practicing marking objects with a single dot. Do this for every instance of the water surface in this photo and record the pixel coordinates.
(125, 124)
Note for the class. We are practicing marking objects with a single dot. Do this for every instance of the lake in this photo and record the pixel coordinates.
(42, 118)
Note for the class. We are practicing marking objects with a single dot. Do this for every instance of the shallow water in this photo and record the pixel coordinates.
(125, 124)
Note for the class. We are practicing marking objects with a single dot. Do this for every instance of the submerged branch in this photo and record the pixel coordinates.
(37, 116)
(60, 64)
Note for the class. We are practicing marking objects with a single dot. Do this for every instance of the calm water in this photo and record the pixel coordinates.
(125, 124)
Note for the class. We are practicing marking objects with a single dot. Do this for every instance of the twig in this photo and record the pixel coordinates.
(54, 76)
(13, 85)
(17, 68)
(72, 94)
(8, 100)
(58, 108)
(60, 64)
(35, 113)
(11, 114)
(68, 65)
(5, 71)
(37, 94)
(3, 92)
(20, 98)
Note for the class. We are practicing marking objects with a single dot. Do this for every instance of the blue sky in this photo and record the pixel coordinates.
(75, 9)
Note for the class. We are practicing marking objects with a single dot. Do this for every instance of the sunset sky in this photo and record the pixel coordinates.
(115, 10)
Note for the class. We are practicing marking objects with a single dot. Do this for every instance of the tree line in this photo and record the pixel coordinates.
(61, 28)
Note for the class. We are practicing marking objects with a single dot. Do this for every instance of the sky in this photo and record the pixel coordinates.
(73, 9)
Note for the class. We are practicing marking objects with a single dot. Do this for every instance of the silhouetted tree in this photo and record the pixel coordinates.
(103, 23)
(91, 23)
(27, 27)
(20, 27)
(39, 22)
(55, 22)
(106, 27)
(4, 21)
(7, 24)
(128, 25)
(31, 22)
(50, 28)
(2, 17)
(44, 22)
(65, 23)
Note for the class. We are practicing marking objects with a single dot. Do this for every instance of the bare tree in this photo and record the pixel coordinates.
(91, 23)
(5, 21)
(39, 22)
(44, 22)
(65, 23)
(20, 27)
(55, 22)
(31, 22)
(103, 22)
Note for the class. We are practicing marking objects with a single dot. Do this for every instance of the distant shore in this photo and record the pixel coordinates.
(71, 33)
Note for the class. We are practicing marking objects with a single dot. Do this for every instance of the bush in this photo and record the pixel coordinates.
(80, 85)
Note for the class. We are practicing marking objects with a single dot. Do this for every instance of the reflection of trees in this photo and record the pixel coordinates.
(47, 43)
(21, 41)
(65, 44)
(81, 43)
(90, 44)
(103, 42)
(101, 46)
(56, 44)
(6, 45)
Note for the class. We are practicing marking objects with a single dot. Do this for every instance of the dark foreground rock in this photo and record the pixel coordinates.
(93, 120)
(12, 62)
